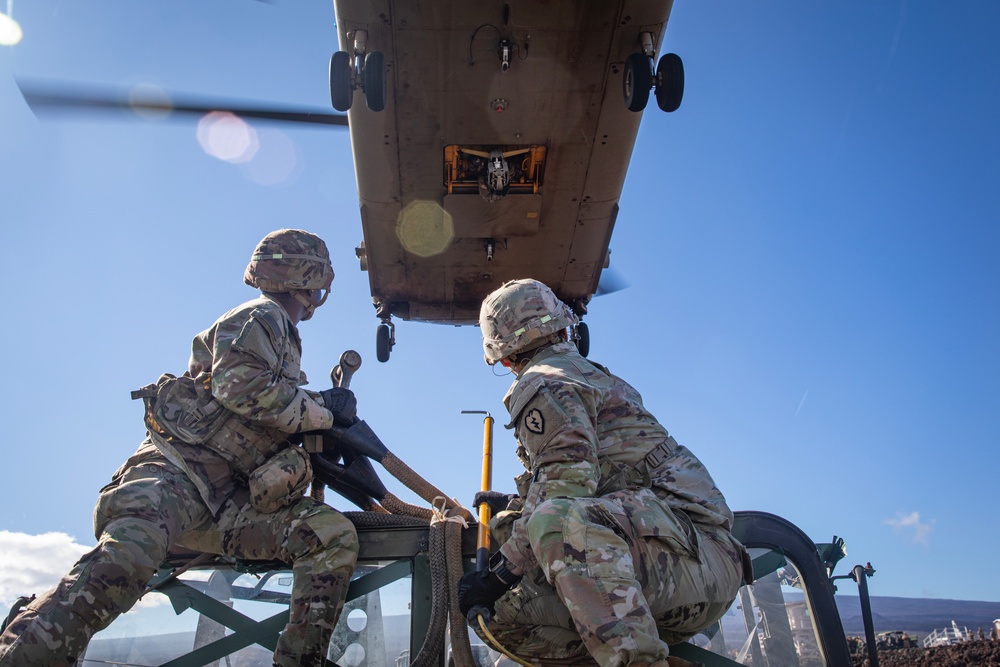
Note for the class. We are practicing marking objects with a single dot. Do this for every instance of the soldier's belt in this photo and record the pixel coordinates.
(620, 477)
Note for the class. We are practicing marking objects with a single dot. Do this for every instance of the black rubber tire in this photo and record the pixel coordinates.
(383, 343)
(341, 90)
(669, 82)
(583, 339)
(636, 82)
(375, 80)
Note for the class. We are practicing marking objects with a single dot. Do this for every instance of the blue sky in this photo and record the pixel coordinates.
(810, 243)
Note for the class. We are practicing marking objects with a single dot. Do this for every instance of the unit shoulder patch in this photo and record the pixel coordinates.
(534, 421)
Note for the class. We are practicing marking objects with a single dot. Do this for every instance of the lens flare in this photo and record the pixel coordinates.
(227, 137)
(278, 160)
(425, 229)
(10, 31)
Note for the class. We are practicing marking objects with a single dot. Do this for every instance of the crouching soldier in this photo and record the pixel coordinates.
(217, 474)
(622, 543)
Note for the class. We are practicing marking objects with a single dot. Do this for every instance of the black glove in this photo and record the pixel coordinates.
(478, 592)
(496, 500)
(342, 403)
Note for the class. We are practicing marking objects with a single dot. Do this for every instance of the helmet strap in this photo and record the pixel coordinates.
(531, 351)
(310, 307)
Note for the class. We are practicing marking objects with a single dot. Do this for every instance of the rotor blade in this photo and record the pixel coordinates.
(610, 281)
(84, 97)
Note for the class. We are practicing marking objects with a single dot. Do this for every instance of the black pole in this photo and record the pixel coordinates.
(859, 575)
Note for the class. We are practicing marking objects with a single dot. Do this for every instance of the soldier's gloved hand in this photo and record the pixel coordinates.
(496, 500)
(342, 403)
(478, 592)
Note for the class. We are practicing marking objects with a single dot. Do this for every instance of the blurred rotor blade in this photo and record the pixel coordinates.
(148, 101)
(610, 281)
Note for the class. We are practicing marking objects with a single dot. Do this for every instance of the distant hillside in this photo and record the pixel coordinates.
(158, 649)
(916, 615)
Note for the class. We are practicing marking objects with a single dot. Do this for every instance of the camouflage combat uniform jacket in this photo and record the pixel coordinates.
(583, 432)
(250, 358)
(624, 539)
(188, 485)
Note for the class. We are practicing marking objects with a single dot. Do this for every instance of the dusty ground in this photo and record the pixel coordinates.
(984, 653)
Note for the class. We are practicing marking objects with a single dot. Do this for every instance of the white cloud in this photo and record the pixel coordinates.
(911, 524)
(34, 563)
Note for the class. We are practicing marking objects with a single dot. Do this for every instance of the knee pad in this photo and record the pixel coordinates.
(549, 518)
(137, 542)
(582, 536)
(327, 531)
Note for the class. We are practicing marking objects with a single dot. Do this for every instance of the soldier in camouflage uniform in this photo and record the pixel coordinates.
(622, 541)
(217, 474)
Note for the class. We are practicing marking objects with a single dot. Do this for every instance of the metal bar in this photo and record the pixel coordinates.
(383, 576)
(420, 602)
(246, 631)
(859, 575)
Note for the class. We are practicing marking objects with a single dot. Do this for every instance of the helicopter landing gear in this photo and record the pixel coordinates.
(580, 332)
(639, 78)
(361, 70)
(374, 81)
(385, 334)
(637, 81)
(581, 336)
(669, 82)
(385, 339)
(341, 90)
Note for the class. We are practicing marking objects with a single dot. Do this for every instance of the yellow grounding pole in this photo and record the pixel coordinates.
(483, 539)
(483, 536)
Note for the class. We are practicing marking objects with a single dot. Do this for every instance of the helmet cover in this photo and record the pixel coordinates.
(287, 260)
(517, 315)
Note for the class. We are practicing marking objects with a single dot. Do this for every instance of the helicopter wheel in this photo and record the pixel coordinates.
(383, 342)
(583, 339)
(637, 81)
(375, 80)
(341, 90)
(669, 82)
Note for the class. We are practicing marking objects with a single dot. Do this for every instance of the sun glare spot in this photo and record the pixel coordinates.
(10, 31)
(277, 161)
(425, 229)
(226, 137)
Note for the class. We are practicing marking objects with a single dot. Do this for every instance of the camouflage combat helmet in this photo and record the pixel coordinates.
(518, 317)
(288, 260)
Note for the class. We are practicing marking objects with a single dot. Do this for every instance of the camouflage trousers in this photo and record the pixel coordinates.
(152, 507)
(619, 578)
